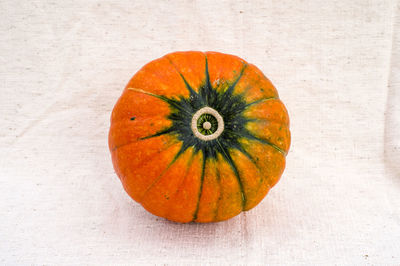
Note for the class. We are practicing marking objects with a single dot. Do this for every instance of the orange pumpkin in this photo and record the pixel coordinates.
(199, 136)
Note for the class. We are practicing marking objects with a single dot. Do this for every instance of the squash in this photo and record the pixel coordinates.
(199, 137)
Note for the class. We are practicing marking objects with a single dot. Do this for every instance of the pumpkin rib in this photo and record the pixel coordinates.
(262, 120)
(131, 142)
(186, 172)
(229, 160)
(119, 124)
(134, 142)
(231, 203)
(253, 177)
(170, 143)
(190, 89)
(248, 155)
(248, 135)
(251, 136)
(159, 133)
(242, 149)
(249, 142)
(273, 110)
(283, 134)
(210, 193)
(181, 150)
(158, 196)
(255, 85)
(179, 188)
(259, 170)
(169, 165)
(220, 189)
(124, 120)
(208, 81)
(159, 77)
(262, 100)
(231, 88)
(267, 179)
(270, 144)
(223, 69)
(144, 163)
(187, 169)
(200, 189)
(127, 101)
(161, 97)
(267, 120)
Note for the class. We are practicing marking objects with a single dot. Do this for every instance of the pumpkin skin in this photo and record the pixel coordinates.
(161, 152)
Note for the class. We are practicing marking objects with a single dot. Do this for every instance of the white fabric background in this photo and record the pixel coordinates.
(336, 64)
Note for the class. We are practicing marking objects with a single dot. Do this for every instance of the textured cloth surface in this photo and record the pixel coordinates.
(336, 64)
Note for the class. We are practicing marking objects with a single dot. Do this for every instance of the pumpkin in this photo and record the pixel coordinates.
(199, 136)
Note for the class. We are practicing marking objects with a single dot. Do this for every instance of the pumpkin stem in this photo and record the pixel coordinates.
(207, 124)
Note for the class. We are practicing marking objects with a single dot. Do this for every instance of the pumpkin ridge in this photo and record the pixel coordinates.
(261, 100)
(190, 89)
(231, 88)
(263, 120)
(229, 160)
(270, 144)
(248, 135)
(159, 133)
(206, 89)
(284, 133)
(220, 189)
(162, 174)
(183, 179)
(187, 169)
(242, 150)
(208, 81)
(276, 147)
(112, 141)
(262, 176)
(201, 187)
(132, 142)
(171, 102)
(147, 157)
(144, 162)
